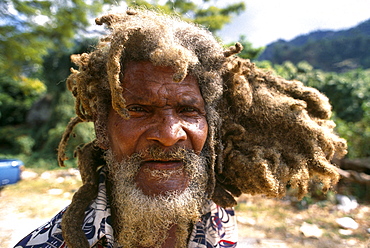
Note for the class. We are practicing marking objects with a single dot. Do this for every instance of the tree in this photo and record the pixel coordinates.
(206, 14)
(30, 28)
(16, 98)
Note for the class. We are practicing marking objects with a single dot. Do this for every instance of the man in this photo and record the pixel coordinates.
(182, 127)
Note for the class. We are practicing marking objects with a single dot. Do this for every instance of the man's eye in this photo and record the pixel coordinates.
(189, 110)
(136, 109)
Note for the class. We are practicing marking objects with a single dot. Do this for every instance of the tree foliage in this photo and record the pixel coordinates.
(206, 14)
(16, 98)
(30, 28)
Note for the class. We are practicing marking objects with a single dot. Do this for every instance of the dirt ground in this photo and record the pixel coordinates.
(262, 222)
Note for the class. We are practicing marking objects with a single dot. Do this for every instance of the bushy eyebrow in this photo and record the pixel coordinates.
(185, 100)
(191, 101)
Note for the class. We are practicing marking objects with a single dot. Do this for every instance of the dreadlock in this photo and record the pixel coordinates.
(275, 133)
(265, 133)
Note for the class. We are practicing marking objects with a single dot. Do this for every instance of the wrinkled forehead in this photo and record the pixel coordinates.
(151, 71)
(145, 82)
(170, 54)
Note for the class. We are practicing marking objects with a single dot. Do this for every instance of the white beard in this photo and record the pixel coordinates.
(143, 220)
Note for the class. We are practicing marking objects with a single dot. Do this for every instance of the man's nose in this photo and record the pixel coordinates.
(168, 130)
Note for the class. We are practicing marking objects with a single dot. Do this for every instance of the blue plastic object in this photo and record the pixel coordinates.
(10, 171)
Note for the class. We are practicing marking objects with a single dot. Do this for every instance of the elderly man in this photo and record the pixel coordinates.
(182, 127)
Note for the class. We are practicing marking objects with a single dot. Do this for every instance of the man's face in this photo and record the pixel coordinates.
(163, 114)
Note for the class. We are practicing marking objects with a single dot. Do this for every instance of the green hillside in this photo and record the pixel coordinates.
(336, 51)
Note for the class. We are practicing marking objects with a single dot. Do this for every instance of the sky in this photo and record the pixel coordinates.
(266, 21)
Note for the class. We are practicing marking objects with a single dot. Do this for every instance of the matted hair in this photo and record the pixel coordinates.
(265, 133)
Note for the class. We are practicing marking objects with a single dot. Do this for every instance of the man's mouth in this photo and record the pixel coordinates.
(163, 164)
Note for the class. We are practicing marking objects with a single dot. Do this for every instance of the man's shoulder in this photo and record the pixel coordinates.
(48, 235)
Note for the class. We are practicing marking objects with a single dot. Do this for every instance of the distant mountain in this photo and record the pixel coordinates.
(327, 50)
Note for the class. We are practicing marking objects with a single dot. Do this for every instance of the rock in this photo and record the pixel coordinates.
(74, 172)
(311, 230)
(46, 175)
(352, 243)
(55, 191)
(29, 175)
(347, 223)
(345, 203)
(345, 232)
(60, 180)
(368, 230)
(246, 221)
(66, 194)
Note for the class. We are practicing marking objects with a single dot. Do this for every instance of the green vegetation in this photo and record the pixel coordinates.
(206, 13)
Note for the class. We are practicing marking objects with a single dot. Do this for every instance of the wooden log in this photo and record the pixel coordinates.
(357, 164)
(355, 176)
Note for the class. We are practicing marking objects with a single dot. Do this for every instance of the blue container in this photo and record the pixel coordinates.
(10, 171)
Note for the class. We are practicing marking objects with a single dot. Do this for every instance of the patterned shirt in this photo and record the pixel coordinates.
(216, 229)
